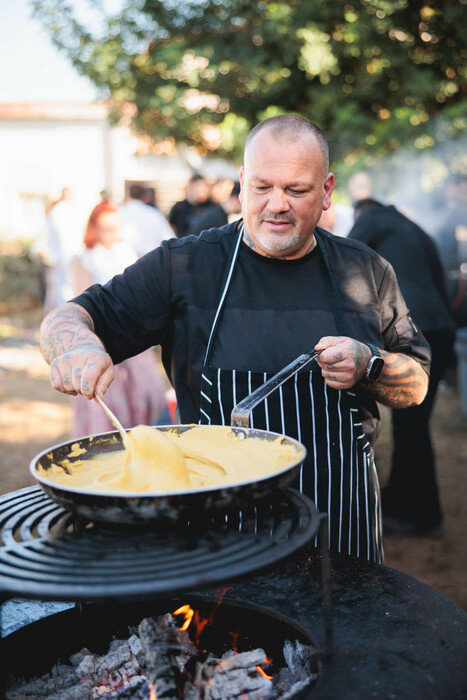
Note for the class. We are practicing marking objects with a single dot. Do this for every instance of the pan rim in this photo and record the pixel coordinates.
(150, 495)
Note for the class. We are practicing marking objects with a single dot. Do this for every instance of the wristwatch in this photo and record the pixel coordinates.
(375, 365)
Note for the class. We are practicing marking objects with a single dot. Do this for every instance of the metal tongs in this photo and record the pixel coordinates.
(240, 416)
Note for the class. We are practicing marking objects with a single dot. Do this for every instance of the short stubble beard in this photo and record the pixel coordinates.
(278, 242)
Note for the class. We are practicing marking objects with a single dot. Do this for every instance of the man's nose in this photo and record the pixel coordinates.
(278, 200)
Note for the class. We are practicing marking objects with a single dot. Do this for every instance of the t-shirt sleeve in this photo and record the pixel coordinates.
(398, 329)
(131, 311)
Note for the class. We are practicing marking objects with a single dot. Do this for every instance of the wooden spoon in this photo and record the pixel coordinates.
(114, 419)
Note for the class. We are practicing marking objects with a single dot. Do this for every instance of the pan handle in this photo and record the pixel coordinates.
(240, 416)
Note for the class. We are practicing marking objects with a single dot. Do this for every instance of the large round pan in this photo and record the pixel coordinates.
(137, 507)
(140, 507)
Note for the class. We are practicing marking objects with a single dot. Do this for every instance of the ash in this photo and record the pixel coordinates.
(161, 659)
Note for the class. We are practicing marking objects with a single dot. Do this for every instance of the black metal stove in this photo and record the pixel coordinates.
(394, 637)
(49, 553)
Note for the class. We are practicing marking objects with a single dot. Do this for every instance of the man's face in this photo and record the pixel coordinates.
(284, 191)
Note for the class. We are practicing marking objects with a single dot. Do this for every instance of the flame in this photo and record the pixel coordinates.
(199, 622)
(263, 673)
(260, 670)
(188, 612)
(234, 639)
(152, 692)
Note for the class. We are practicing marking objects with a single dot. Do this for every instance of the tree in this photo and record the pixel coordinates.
(371, 73)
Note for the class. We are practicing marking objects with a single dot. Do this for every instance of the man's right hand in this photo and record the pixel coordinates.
(83, 370)
(79, 363)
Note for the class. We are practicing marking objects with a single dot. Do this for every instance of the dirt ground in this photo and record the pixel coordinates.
(34, 417)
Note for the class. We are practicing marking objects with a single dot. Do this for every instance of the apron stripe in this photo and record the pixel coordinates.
(341, 449)
(219, 396)
(281, 401)
(206, 379)
(249, 392)
(365, 475)
(315, 452)
(328, 441)
(205, 414)
(299, 430)
(234, 388)
(352, 448)
(206, 397)
(266, 405)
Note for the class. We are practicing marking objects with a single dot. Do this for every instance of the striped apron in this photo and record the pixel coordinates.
(339, 473)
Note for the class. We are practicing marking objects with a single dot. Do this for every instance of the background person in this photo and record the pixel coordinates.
(217, 215)
(143, 228)
(137, 395)
(233, 306)
(410, 500)
(61, 242)
(184, 214)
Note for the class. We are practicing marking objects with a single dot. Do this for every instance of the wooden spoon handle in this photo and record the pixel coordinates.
(113, 418)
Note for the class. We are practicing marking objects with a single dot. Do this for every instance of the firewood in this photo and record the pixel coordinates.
(161, 643)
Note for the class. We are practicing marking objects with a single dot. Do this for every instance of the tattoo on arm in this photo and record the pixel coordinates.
(403, 382)
(66, 328)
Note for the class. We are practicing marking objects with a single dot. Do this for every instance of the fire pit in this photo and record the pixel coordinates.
(251, 651)
(394, 636)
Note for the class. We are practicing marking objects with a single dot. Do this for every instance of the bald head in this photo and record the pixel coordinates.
(291, 128)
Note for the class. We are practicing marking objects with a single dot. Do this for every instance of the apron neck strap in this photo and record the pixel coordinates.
(334, 295)
(228, 273)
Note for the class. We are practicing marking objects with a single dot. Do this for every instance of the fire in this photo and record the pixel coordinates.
(188, 612)
(199, 622)
(152, 692)
(260, 670)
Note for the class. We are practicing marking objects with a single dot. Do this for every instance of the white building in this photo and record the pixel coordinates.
(45, 147)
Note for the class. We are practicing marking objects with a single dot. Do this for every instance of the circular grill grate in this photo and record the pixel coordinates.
(49, 553)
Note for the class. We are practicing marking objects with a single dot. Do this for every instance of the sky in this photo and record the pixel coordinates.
(31, 68)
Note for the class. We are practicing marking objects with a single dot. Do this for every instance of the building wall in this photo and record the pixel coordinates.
(44, 148)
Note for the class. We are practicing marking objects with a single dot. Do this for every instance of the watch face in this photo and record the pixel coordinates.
(375, 368)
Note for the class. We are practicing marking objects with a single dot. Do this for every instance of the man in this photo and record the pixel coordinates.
(217, 215)
(410, 500)
(143, 228)
(233, 306)
(185, 213)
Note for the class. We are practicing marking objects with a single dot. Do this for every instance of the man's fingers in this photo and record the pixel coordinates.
(96, 375)
(105, 380)
(61, 378)
(81, 373)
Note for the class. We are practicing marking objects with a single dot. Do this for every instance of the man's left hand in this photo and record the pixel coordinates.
(342, 360)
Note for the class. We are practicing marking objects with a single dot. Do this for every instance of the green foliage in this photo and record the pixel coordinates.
(374, 74)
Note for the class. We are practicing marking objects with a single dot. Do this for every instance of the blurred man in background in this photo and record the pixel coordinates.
(217, 215)
(410, 500)
(184, 214)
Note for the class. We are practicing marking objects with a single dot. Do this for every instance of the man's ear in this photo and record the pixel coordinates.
(329, 185)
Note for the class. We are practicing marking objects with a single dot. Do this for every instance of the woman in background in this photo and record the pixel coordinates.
(137, 394)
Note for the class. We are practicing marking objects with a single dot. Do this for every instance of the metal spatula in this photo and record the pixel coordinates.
(240, 415)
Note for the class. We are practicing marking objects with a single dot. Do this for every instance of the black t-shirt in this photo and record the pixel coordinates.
(275, 309)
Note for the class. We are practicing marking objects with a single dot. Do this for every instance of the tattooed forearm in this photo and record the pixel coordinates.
(403, 382)
(66, 328)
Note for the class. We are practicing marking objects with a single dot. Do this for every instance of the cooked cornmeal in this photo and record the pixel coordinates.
(156, 461)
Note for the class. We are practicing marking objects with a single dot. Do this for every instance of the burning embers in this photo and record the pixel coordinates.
(166, 658)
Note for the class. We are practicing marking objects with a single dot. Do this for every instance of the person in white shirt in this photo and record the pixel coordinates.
(61, 242)
(143, 228)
